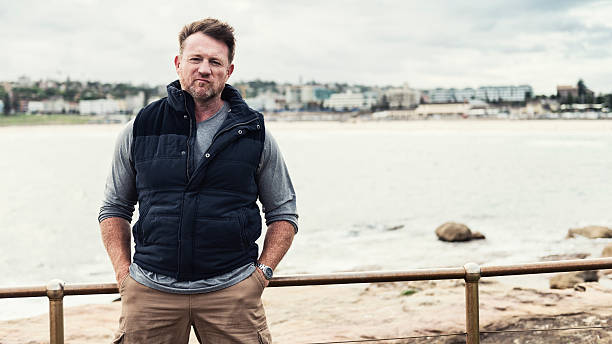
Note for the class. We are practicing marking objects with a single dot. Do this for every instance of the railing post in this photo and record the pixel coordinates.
(472, 324)
(55, 293)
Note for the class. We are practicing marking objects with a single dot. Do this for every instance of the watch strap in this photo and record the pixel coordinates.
(267, 271)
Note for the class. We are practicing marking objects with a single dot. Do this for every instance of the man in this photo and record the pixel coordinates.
(195, 162)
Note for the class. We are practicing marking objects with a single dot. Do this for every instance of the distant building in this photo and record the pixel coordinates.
(268, 101)
(486, 93)
(504, 93)
(314, 94)
(473, 108)
(127, 105)
(22, 106)
(132, 104)
(568, 92)
(24, 81)
(35, 107)
(305, 96)
(293, 97)
(99, 107)
(443, 109)
(351, 101)
(402, 97)
(450, 95)
(55, 105)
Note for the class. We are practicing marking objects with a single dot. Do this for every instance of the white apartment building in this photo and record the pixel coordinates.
(51, 106)
(293, 96)
(128, 105)
(485, 93)
(351, 101)
(99, 107)
(402, 97)
(504, 93)
(267, 101)
(35, 106)
(297, 97)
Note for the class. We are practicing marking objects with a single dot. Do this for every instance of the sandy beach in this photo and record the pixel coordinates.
(321, 314)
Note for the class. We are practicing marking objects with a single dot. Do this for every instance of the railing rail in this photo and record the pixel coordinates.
(471, 273)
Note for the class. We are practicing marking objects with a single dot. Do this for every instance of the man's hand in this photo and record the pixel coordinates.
(263, 278)
(121, 275)
(279, 237)
(117, 241)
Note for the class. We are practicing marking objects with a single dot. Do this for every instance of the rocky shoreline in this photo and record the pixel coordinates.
(574, 307)
(383, 310)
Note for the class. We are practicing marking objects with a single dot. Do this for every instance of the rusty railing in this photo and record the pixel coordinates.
(55, 290)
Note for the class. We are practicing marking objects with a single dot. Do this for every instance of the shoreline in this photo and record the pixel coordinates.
(367, 311)
(38, 120)
(419, 127)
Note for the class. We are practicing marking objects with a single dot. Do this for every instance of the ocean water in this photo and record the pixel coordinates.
(521, 183)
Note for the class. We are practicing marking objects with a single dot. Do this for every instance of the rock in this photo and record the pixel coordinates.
(452, 231)
(499, 332)
(607, 251)
(394, 228)
(571, 279)
(569, 256)
(591, 232)
(477, 236)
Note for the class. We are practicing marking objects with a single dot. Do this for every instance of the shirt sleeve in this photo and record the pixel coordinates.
(120, 194)
(276, 192)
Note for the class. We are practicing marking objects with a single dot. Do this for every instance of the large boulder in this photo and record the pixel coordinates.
(452, 231)
(567, 280)
(591, 232)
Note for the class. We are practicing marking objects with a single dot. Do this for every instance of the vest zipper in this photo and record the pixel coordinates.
(200, 166)
(189, 137)
(230, 128)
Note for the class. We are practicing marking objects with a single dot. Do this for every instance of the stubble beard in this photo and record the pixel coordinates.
(204, 94)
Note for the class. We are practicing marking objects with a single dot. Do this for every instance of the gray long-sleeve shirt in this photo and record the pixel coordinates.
(276, 195)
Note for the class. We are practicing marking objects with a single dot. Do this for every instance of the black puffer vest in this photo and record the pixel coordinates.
(194, 221)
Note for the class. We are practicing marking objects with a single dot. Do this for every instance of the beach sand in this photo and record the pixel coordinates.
(317, 314)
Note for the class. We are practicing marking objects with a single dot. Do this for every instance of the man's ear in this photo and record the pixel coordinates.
(230, 70)
(177, 62)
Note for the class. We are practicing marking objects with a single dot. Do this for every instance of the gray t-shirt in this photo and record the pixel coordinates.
(276, 195)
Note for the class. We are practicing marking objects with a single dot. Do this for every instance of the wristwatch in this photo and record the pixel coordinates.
(267, 271)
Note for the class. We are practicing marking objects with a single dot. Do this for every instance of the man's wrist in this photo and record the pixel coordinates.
(122, 272)
(267, 271)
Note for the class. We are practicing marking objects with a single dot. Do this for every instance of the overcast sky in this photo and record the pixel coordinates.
(423, 43)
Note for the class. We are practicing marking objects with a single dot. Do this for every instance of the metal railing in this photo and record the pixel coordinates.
(55, 290)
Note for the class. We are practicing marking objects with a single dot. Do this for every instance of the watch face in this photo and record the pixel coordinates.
(267, 271)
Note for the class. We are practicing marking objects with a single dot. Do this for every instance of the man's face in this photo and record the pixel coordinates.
(203, 67)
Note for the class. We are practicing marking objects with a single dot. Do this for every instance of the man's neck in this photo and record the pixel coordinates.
(207, 109)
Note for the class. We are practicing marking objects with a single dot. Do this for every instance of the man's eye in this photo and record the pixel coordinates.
(215, 62)
(195, 59)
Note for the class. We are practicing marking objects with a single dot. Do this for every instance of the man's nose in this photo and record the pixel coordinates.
(204, 68)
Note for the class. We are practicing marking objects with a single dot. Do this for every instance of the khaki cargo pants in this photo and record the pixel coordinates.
(232, 315)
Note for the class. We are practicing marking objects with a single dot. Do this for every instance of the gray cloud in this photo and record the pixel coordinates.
(436, 43)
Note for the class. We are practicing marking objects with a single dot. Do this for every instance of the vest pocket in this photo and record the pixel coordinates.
(221, 234)
(160, 230)
(143, 209)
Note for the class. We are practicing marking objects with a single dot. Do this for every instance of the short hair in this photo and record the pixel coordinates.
(213, 28)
